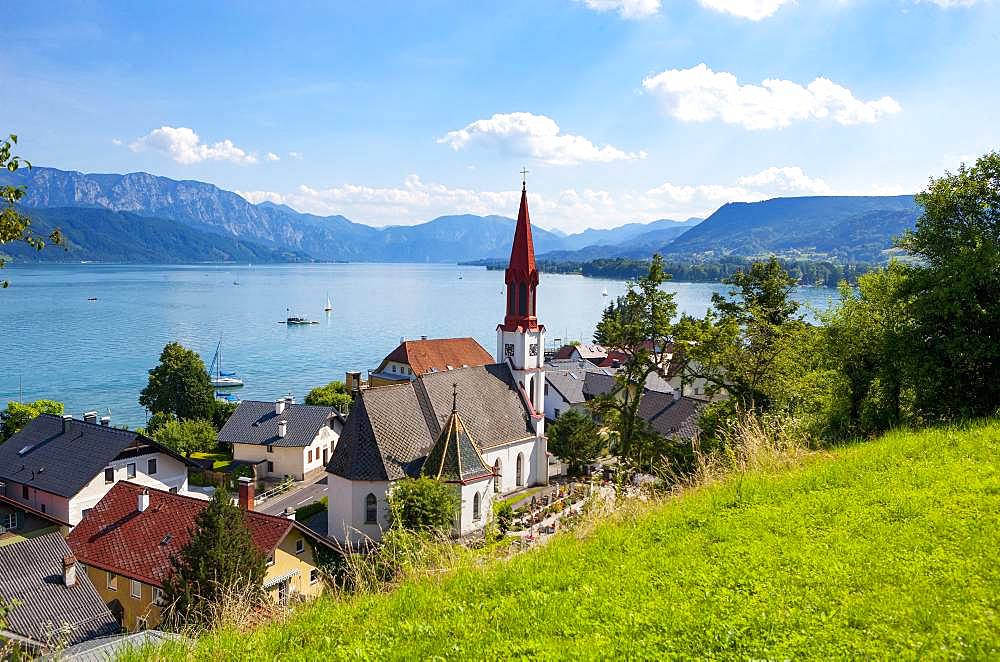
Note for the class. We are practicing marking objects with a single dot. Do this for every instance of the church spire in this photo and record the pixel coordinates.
(521, 276)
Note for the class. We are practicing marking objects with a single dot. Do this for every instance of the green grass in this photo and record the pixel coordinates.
(882, 550)
(219, 460)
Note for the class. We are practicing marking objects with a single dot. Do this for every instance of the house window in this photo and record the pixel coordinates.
(300, 546)
(477, 507)
(158, 598)
(109, 475)
(557, 413)
(371, 509)
(313, 576)
(151, 466)
(130, 470)
(520, 470)
(394, 368)
(270, 449)
(112, 581)
(546, 388)
(43, 507)
(135, 589)
(270, 467)
(309, 455)
(24, 491)
(173, 490)
(85, 512)
(10, 521)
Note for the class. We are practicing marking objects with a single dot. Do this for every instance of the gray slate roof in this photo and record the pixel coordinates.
(599, 383)
(31, 574)
(669, 417)
(43, 456)
(107, 649)
(568, 378)
(392, 428)
(254, 422)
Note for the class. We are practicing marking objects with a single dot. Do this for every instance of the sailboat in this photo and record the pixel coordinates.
(218, 378)
(329, 306)
(605, 292)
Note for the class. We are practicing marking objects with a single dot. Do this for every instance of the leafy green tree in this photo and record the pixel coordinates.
(866, 338)
(736, 348)
(221, 411)
(575, 439)
(17, 415)
(179, 385)
(15, 226)
(186, 437)
(423, 504)
(955, 286)
(334, 394)
(220, 562)
(640, 325)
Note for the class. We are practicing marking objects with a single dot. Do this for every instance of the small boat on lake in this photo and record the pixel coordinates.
(329, 305)
(217, 377)
(605, 292)
(227, 397)
(295, 320)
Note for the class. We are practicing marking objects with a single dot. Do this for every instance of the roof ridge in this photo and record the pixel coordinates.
(183, 497)
(88, 424)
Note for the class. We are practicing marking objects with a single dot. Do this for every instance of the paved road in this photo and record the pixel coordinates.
(298, 497)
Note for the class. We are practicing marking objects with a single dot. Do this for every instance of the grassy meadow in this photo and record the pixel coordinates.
(888, 549)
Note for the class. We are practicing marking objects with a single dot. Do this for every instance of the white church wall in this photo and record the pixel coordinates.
(347, 511)
(467, 521)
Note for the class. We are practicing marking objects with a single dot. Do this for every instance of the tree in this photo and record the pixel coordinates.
(575, 439)
(736, 347)
(186, 437)
(640, 325)
(15, 226)
(17, 415)
(334, 394)
(220, 562)
(221, 411)
(179, 385)
(866, 338)
(955, 286)
(423, 504)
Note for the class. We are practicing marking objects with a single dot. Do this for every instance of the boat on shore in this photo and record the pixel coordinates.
(217, 377)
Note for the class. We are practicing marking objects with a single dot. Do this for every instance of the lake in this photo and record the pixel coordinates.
(94, 355)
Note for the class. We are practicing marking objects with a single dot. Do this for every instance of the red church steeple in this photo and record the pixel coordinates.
(522, 275)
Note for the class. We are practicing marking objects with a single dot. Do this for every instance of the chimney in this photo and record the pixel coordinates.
(143, 501)
(69, 571)
(282, 428)
(106, 421)
(290, 399)
(289, 513)
(279, 406)
(90, 417)
(246, 493)
(354, 381)
(66, 421)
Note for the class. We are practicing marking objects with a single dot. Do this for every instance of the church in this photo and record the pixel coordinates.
(479, 428)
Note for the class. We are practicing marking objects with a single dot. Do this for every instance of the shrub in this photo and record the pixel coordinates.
(423, 504)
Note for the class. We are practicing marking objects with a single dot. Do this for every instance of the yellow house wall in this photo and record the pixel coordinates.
(134, 608)
(286, 560)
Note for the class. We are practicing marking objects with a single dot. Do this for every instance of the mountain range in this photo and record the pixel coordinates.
(139, 217)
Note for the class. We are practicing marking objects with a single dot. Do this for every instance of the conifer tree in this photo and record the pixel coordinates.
(219, 562)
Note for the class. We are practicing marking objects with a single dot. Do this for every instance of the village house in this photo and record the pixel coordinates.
(413, 358)
(668, 413)
(61, 466)
(18, 520)
(282, 438)
(52, 603)
(479, 428)
(564, 380)
(127, 540)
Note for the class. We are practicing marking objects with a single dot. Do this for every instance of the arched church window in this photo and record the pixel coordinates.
(371, 509)
(510, 299)
(477, 507)
(522, 299)
(520, 469)
(531, 392)
(497, 477)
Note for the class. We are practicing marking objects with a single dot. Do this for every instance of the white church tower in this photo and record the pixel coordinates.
(521, 339)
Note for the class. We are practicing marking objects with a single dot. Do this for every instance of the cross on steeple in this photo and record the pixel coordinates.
(524, 173)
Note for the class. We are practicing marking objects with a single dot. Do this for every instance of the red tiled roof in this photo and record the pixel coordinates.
(439, 353)
(115, 536)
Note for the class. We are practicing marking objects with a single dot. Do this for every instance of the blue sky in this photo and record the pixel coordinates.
(622, 110)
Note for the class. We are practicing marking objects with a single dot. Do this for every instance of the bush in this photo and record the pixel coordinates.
(423, 504)
(187, 436)
(310, 509)
(504, 517)
(334, 395)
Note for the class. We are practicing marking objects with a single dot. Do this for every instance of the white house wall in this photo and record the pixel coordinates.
(292, 460)
(170, 474)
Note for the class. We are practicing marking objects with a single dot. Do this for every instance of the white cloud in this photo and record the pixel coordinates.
(630, 9)
(699, 94)
(572, 210)
(951, 4)
(116, 141)
(296, 155)
(754, 10)
(184, 146)
(271, 156)
(534, 136)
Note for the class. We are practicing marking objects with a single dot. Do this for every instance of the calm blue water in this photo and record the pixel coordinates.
(95, 355)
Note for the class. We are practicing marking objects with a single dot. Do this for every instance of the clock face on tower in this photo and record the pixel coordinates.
(533, 349)
(508, 350)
